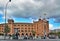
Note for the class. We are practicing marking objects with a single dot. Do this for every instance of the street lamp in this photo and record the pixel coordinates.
(44, 23)
(5, 15)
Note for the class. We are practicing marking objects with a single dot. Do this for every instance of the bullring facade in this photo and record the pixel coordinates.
(37, 27)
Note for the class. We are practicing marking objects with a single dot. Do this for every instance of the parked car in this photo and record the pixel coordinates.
(25, 37)
(52, 37)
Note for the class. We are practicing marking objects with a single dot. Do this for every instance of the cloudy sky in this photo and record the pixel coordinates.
(29, 10)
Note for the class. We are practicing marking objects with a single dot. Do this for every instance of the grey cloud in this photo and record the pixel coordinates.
(34, 9)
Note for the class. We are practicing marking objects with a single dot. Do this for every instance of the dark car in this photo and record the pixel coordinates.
(25, 37)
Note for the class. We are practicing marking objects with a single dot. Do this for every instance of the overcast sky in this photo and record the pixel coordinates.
(29, 10)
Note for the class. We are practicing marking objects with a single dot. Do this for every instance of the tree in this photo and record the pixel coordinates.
(33, 32)
(58, 33)
(6, 30)
(52, 33)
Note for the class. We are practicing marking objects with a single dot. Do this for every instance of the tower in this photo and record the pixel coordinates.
(11, 25)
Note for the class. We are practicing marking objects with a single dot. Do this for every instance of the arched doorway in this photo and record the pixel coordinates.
(30, 34)
(26, 34)
(22, 34)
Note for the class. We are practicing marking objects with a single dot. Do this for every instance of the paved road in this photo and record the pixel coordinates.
(2, 37)
(34, 40)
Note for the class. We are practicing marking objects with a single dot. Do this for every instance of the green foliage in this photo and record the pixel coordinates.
(7, 29)
(55, 33)
(33, 32)
(52, 33)
(58, 33)
(13, 36)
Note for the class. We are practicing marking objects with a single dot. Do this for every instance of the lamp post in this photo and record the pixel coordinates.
(44, 23)
(5, 15)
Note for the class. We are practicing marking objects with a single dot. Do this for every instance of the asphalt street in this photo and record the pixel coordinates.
(2, 39)
(34, 40)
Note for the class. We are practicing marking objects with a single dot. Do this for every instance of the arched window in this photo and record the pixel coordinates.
(22, 31)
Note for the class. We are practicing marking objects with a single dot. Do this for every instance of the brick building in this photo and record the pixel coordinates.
(27, 28)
